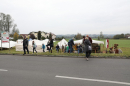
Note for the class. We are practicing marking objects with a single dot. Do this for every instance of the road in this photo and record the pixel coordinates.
(63, 71)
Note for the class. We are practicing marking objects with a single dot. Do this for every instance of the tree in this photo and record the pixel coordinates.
(6, 23)
(43, 38)
(20, 37)
(15, 29)
(119, 36)
(98, 38)
(50, 35)
(15, 36)
(32, 36)
(78, 36)
(39, 35)
(101, 35)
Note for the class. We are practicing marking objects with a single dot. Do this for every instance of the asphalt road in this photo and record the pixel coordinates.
(62, 71)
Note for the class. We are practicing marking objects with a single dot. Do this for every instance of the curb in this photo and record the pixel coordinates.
(116, 57)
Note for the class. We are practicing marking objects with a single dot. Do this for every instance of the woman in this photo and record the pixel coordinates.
(34, 46)
(87, 47)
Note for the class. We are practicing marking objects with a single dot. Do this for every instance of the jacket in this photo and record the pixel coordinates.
(25, 43)
(87, 43)
(71, 42)
(43, 46)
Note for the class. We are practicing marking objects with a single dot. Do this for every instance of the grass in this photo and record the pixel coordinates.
(124, 45)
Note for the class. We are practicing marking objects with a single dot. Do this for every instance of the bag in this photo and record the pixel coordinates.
(89, 47)
(48, 48)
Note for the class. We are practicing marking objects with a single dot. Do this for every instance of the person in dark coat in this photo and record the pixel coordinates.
(50, 44)
(70, 44)
(86, 49)
(90, 39)
(25, 45)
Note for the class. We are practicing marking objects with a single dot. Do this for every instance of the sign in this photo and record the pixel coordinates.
(5, 37)
(107, 43)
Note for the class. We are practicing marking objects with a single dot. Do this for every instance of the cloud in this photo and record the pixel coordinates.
(69, 16)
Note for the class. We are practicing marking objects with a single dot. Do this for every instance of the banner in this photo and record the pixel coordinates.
(107, 43)
(5, 37)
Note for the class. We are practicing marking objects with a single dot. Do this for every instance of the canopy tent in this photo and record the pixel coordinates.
(6, 45)
(19, 47)
(19, 41)
(62, 42)
(93, 41)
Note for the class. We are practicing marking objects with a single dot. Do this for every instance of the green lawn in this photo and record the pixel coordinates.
(124, 45)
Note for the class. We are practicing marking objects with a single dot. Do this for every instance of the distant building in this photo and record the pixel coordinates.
(43, 34)
(24, 35)
(128, 36)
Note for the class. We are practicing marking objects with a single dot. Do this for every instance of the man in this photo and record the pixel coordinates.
(25, 45)
(70, 44)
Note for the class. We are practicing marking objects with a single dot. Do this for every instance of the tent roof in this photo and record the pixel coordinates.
(6, 45)
(62, 42)
(93, 41)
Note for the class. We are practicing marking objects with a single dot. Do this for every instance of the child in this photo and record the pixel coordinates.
(57, 48)
(43, 47)
(34, 46)
(79, 47)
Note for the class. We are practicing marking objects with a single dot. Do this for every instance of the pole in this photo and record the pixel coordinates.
(9, 43)
(1, 41)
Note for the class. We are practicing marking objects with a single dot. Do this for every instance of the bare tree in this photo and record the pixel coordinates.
(15, 29)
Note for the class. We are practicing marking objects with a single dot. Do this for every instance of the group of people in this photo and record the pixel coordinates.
(25, 46)
(86, 46)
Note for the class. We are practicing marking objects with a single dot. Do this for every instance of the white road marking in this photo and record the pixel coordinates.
(96, 80)
(3, 70)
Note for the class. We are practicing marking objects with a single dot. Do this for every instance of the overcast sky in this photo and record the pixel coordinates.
(69, 16)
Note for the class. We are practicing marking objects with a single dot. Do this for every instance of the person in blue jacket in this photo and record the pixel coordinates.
(43, 47)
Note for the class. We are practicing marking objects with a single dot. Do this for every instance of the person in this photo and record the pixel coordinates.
(65, 49)
(43, 47)
(62, 48)
(50, 44)
(57, 48)
(79, 48)
(34, 46)
(90, 39)
(86, 49)
(25, 45)
(70, 44)
(83, 44)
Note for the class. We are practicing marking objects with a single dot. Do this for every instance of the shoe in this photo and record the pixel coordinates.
(87, 59)
(23, 54)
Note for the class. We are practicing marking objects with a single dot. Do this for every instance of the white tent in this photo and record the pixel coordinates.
(62, 42)
(19, 47)
(93, 41)
(6, 45)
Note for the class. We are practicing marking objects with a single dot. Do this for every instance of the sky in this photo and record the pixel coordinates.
(69, 16)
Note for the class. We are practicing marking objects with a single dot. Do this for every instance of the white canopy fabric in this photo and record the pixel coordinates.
(6, 45)
(19, 46)
(93, 41)
(62, 42)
